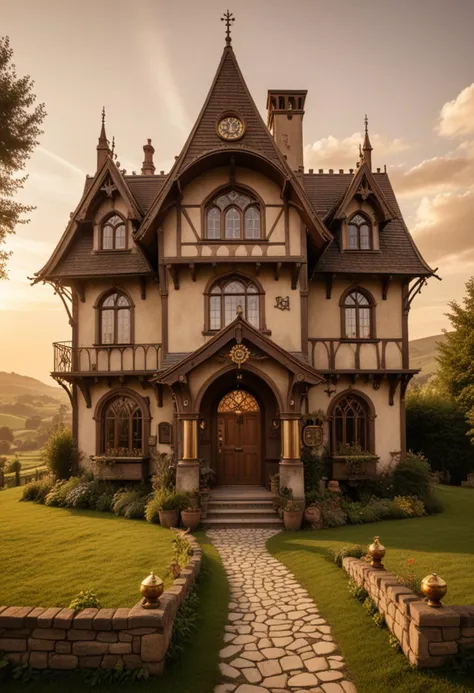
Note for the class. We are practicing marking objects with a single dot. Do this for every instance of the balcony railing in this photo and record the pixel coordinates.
(354, 354)
(106, 358)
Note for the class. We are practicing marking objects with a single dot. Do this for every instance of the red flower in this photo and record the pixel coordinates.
(411, 561)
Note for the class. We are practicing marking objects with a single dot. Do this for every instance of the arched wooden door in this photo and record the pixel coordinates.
(238, 439)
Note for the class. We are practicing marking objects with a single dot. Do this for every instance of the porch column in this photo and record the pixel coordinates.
(291, 466)
(187, 471)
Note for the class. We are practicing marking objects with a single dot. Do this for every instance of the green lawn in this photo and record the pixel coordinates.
(197, 672)
(442, 543)
(47, 555)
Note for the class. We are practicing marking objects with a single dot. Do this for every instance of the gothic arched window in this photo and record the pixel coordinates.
(357, 315)
(233, 215)
(359, 233)
(115, 319)
(227, 295)
(123, 428)
(114, 236)
(350, 421)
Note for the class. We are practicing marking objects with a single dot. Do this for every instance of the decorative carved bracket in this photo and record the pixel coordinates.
(329, 278)
(174, 272)
(295, 273)
(143, 288)
(66, 385)
(277, 271)
(83, 386)
(385, 286)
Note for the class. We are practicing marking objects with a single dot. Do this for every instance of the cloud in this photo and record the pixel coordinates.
(63, 162)
(443, 229)
(457, 116)
(331, 152)
(440, 174)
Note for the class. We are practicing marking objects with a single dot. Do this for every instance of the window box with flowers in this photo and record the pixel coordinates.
(121, 464)
(352, 462)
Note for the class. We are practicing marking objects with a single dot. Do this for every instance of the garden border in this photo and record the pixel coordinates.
(135, 638)
(429, 637)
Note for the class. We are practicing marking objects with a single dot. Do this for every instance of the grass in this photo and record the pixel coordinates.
(48, 555)
(198, 670)
(29, 460)
(441, 543)
(12, 421)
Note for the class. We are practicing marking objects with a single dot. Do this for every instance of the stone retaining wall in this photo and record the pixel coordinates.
(136, 638)
(429, 637)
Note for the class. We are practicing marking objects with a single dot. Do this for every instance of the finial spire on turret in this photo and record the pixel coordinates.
(228, 18)
(103, 150)
(367, 147)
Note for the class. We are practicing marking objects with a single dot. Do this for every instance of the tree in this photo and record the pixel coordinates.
(20, 121)
(33, 423)
(6, 433)
(4, 447)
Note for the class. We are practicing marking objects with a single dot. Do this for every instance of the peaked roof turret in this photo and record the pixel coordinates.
(103, 150)
(367, 147)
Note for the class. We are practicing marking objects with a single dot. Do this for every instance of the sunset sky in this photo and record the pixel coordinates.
(408, 64)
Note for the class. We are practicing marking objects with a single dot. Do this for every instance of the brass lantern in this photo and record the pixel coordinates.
(434, 588)
(151, 589)
(377, 552)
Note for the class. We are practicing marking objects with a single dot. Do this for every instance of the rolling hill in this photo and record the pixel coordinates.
(12, 385)
(423, 355)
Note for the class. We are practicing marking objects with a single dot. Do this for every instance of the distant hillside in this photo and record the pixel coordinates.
(12, 385)
(423, 355)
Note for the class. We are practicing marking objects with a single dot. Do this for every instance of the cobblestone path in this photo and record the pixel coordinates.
(275, 639)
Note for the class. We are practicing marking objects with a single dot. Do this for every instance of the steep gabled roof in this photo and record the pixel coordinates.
(363, 183)
(73, 254)
(229, 94)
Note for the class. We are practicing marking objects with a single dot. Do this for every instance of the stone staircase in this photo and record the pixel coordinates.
(234, 507)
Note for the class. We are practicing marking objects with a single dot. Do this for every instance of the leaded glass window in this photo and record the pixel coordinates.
(351, 422)
(238, 401)
(233, 215)
(357, 316)
(114, 235)
(115, 320)
(123, 428)
(227, 296)
(232, 223)
(359, 233)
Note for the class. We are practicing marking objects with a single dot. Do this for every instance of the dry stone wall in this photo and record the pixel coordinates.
(55, 638)
(429, 637)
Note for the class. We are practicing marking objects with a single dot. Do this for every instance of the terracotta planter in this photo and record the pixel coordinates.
(169, 518)
(191, 519)
(293, 519)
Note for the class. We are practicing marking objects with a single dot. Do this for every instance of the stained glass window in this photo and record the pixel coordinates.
(359, 233)
(357, 316)
(114, 235)
(115, 320)
(123, 428)
(351, 422)
(237, 401)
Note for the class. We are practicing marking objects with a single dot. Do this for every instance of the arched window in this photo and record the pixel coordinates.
(359, 233)
(357, 315)
(233, 215)
(114, 235)
(227, 295)
(123, 428)
(115, 319)
(351, 423)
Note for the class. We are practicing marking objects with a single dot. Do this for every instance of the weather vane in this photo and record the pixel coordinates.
(228, 18)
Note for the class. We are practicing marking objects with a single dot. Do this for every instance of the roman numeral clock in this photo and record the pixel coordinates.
(230, 128)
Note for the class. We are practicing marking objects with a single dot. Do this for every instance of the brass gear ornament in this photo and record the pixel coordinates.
(239, 354)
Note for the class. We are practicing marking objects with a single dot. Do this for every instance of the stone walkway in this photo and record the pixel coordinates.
(275, 638)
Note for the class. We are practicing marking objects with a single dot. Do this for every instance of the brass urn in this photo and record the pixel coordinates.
(151, 589)
(377, 552)
(434, 588)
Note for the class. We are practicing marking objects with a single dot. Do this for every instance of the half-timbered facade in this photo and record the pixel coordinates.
(212, 306)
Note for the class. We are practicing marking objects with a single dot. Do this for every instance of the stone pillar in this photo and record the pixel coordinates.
(187, 472)
(291, 466)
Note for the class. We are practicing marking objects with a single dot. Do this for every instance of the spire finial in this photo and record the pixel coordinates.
(367, 147)
(366, 121)
(103, 116)
(113, 146)
(228, 18)
(103, 144)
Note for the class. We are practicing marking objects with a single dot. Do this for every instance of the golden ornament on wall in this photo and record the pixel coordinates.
(239, 354)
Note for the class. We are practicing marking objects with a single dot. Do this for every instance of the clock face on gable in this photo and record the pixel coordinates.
(230, 128)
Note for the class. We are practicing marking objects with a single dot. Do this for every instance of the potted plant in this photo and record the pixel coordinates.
(191, 515)
(292, 516)
(275, 483)
(169, 504)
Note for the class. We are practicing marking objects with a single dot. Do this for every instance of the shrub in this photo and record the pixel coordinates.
(79, 496)
(346, 552)
(207, 476)
(59, 492)
(411, 506)
(60, 454)
(104, 502)
(165, 470)
(432, 503)
(37, 490)
(5, 446)
(6, 433)
(14, 466)
(184, 626)
(411, 476)
(125, 498)
(152, 510)
(331, 509)
(316, 465)
(357, 591)
(171, 500)
(136, 509)
(86, 599)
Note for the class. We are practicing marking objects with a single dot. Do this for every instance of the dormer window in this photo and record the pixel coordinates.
(114, 236)
(233, 216)
(359, 233)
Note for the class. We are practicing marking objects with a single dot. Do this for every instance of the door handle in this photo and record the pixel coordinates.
(238, 449)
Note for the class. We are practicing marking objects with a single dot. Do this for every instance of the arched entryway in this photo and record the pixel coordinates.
(239, 432)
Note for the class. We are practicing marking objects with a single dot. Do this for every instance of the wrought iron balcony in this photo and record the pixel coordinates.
(124, 358)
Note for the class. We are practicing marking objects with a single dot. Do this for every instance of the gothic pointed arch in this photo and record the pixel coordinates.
(224, 295)
(123, 419)
(351, 416)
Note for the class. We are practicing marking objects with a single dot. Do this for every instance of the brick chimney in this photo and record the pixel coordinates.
(148, 167)
(285, 121)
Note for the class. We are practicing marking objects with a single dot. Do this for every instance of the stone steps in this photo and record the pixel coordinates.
(236, 523)
(232, 507)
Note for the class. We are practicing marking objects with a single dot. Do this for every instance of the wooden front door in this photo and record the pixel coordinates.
(238, 439)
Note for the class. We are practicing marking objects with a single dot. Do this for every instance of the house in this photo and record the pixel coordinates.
(214, 306)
